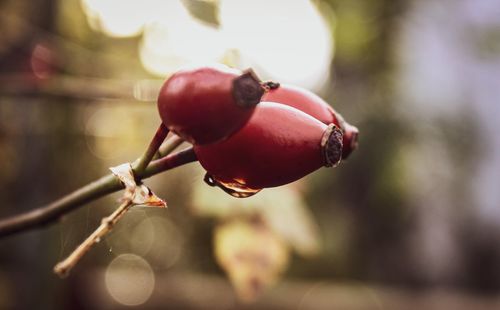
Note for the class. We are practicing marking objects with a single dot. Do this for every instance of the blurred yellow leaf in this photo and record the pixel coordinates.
(288, 215)
(252, 255)
(206, 11)
(282, 208)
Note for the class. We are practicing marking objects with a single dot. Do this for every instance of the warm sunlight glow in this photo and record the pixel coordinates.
(176, 40)
(288, 41)
(283, 40)
(123, 18)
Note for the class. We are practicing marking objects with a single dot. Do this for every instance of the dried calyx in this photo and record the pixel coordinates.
(247, 90)
(331, 142)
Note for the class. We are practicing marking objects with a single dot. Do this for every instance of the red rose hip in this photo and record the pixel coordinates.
(278, 145)
(310, 103)
(207, 104)
(350, 140)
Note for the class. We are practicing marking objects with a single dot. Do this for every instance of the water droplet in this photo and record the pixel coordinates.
(235, 189)
(209, 180)
(97, 240)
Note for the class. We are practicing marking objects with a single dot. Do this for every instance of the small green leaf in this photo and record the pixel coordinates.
(206, 11)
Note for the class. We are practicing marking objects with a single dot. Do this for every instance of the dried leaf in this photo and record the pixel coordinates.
(290, 217)
(205, 11)
(138, 194)
(252, 255)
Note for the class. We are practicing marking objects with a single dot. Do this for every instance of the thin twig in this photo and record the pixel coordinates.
(105, 185)
(62, 268)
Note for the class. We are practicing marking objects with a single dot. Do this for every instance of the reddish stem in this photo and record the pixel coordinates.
(154, 145)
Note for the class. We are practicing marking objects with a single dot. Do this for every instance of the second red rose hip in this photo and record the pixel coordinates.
(308, 102)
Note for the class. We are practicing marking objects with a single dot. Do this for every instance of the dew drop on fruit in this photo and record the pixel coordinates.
(234, 189)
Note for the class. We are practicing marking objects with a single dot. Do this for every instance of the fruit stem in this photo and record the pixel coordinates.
(169, 145)
(270, 85)
(142, 162)
(105, 185)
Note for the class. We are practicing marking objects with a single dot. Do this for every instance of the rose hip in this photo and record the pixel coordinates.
(278, 145)
(207, 104)
(310, 103)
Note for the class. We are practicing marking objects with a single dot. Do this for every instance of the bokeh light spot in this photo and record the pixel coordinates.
(130, 280)
(159, 240)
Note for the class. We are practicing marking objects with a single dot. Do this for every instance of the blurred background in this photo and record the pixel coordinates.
(410, 221)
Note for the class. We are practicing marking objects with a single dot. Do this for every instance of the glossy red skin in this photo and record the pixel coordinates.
(312, 104)
(278, 145)
(198, 105)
